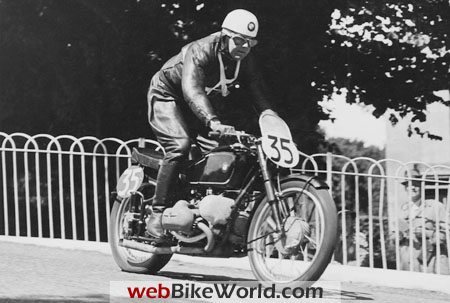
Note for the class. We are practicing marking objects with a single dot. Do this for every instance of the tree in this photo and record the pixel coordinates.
(72, 67)
(83, 67)
(395, 55)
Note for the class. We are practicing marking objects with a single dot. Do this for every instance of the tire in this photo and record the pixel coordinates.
(323, 253)
(151, 264)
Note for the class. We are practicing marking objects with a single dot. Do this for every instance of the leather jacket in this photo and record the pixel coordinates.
(196, 66)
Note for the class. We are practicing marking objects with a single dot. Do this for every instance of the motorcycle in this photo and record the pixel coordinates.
(240, 199)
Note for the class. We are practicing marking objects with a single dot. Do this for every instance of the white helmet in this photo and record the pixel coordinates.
(242, 22)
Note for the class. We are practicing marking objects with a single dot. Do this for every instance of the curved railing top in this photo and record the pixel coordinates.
(315, 163)
(71, 145)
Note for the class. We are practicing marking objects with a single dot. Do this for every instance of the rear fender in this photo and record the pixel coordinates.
(146, 190)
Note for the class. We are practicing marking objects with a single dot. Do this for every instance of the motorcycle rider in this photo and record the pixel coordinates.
(180, 97)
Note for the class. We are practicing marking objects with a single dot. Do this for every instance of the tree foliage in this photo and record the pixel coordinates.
(395, 55)
(83, 67)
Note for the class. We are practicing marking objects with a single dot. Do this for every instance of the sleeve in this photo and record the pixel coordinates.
(254, 79)
(195, 63)
(439, 208)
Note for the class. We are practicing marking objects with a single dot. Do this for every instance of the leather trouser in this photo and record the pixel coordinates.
(174, 125)
(171, 134)
(171, 130)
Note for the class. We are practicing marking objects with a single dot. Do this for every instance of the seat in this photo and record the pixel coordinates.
(147, 157)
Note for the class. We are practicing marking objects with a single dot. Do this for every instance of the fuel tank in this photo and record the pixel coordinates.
(222, 168)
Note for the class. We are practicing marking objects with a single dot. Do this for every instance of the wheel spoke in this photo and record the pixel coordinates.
(314, 243)
(131, 254)
(304, 253)
(298, 259)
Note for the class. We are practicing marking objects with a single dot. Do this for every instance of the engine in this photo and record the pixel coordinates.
(179, 217)
(206, 217)
(215, 209)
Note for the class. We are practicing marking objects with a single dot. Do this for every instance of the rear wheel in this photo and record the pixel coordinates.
(275, 257)
(129, 259)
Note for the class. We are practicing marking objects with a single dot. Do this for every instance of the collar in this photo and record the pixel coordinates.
(223, 79)
(223, 83)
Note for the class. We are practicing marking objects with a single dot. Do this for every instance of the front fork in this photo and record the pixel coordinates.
(270, 190)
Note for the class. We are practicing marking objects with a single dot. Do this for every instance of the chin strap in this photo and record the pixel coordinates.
(223, 82)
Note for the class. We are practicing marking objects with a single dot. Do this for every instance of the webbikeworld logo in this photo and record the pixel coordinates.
(238, 291)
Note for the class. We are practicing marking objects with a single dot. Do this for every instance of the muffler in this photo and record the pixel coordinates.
(160, 250)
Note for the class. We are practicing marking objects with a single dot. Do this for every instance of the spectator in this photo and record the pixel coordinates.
(413, 215)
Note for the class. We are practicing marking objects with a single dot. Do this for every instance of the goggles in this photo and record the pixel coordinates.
(241, 41)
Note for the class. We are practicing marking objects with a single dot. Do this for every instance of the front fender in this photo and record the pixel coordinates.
(313, 180)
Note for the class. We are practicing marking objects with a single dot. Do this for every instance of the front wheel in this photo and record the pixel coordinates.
(129, 259)
(308, 215)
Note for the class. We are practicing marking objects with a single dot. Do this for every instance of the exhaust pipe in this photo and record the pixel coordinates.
(173, 249)
(160, 250)
(209, 236)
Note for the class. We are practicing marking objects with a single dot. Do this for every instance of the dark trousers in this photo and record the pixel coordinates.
(174, 126)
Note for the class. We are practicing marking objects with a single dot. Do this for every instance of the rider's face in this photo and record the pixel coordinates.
(239, 47)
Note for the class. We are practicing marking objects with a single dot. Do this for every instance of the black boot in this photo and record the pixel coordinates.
(165, 183)
(156, 231)
(154, 226)
(164, 194)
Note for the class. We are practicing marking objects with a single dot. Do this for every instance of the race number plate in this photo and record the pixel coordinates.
(277, 141)
(129, 181)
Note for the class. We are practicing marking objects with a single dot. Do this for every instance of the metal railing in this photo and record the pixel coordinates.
(375, 209)
(58, 187)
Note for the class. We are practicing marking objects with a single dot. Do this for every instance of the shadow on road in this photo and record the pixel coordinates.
(355, 296)
(200, 277)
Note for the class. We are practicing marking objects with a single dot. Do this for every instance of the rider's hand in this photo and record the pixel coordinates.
(222, 129)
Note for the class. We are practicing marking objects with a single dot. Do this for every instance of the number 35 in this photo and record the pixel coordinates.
(282, 145)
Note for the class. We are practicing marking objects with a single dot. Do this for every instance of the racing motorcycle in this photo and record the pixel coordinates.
(240, 199)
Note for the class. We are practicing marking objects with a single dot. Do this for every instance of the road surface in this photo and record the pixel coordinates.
(31, 273)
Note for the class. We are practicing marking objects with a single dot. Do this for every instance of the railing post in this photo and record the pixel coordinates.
(329, 169)
(141, 143)
(330, 172)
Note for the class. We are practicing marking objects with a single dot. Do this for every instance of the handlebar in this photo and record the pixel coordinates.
(234, 134)
(213, 134)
